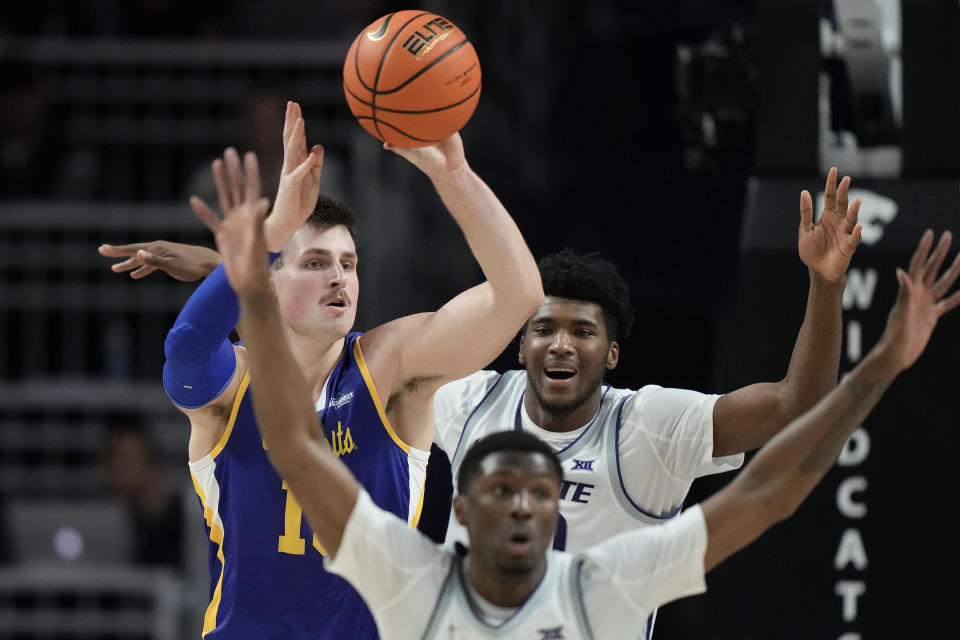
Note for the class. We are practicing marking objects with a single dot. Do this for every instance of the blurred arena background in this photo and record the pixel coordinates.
(673, 137)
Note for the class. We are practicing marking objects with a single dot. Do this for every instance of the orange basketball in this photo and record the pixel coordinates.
(412, 78)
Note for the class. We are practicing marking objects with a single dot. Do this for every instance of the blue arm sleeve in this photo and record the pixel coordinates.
(200, 359)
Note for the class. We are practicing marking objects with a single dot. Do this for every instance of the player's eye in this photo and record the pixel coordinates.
(500, 490)
(314, 264)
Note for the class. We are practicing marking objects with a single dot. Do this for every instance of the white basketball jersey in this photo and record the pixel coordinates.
(667, 442)
(555, 610)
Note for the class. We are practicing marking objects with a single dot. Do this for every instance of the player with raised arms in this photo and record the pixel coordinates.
(374, 391)
(509, 584)
(629, 457)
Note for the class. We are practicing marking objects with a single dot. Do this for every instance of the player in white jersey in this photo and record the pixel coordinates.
(509, 585)
(629, 457)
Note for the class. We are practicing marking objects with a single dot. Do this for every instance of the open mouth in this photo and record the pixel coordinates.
(337, 303)
(559, 373)
(518, 543)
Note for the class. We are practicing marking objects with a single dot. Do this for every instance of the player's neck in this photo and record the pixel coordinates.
(503, 589)
(561, 420)
(316, 358)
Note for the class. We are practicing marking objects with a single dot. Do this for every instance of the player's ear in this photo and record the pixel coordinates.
(520, 355)
(458, 509)
(613, 355)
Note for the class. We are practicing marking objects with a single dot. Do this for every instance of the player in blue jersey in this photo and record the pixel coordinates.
(374, 392)
(508, 585)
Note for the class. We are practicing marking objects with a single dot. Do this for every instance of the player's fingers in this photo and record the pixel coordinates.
(932, 266)
(948, 304)
(220, 182)
(119, 250)
(842, 196)
(142, 272)
(252, 169)
(852, 241)
(920, 254)
(830, 191)
(305, 167)
(235, 179)
(126, 265)
(263, 206)
(853, 214)
(946, 280)
(288, 120)
(205, 213)
(806, 211)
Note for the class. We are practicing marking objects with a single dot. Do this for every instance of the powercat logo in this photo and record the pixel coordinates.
(427, 36)
(876, 211)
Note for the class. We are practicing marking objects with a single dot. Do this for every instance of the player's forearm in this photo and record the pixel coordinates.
(291, 431)
(785, 471)
(284, 411)
(494, 238)
(815, 361)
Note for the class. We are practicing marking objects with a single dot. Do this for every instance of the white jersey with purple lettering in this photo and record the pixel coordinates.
(418, 589)
(631, 466)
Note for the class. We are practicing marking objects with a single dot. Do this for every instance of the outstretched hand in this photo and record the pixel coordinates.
(299, 181)
(921, 300)
(827, 246)
(239, 234)
(444, 157)
(186, 262)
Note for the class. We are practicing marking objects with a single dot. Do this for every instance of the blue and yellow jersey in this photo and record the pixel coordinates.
(266, 572)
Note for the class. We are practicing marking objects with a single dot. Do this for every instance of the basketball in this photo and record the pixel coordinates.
(412, 78)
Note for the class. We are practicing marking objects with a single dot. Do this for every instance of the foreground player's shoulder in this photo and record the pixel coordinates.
(648, 567)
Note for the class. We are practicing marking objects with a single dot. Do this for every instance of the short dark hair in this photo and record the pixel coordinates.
(502, 441)
(590, 278)
(328, 213)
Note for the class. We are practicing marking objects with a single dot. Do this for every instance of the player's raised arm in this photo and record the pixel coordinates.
(784, 472)
(184, 262)
(291, 431)
(473, 328)
(746, 418)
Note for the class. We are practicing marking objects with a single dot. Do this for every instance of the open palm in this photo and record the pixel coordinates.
(921, 300)
(299, 181)
(239, 234)
(827, 246)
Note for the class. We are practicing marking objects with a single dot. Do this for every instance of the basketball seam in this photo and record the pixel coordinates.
(397, 129)
(418, 111)
(376, 79)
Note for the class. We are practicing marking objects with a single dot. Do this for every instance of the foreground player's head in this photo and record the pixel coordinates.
(508, 489)
(568, 344)
(315, 277)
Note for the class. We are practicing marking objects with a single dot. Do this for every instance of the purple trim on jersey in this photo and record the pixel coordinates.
(649, 626)
(518, 425)
(472, 413)
(620, 475)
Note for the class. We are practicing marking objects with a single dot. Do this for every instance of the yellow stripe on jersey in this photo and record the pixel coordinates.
(416, 514)
(216, 536)
(241, 390)
(376, 397)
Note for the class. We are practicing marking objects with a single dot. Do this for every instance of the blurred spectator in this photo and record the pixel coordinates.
(134, 474)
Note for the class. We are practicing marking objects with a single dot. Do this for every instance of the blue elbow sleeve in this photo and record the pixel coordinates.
(200, 359)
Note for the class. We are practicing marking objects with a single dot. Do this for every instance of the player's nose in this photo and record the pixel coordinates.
(338, 278)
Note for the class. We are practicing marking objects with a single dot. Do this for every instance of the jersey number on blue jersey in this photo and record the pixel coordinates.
(290, 541)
